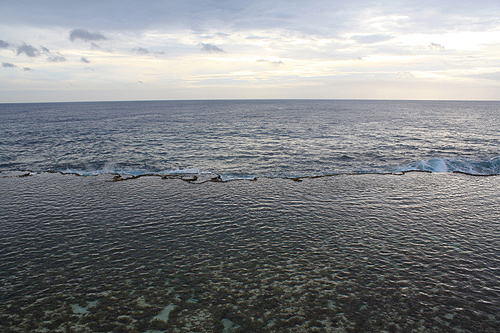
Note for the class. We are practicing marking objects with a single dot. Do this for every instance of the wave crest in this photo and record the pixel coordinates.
(487, 167)
(481, 168)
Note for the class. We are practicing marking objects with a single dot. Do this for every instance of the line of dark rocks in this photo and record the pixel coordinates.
(216, 178)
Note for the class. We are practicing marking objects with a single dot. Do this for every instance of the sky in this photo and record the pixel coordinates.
(65, 50)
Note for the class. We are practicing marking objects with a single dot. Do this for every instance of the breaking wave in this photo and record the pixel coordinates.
(488, 167)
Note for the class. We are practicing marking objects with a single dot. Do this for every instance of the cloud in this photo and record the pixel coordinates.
(27, 69)
(145, 51)
(322, 16)
(4, 44)
(437, 47)
(495, 76)
(272, 62)
(217, 34)
(56, 58)
(29, 50)
(8, 65)
(86, 35)
(291, 42)
(372, 39)
(141, 51)
(253, 37)
(405, 74)
(210, 48)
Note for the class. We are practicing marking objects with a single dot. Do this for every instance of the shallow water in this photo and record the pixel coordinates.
(415, 252)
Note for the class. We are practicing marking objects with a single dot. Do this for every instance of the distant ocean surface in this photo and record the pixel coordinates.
(250, 216)
(246, 139)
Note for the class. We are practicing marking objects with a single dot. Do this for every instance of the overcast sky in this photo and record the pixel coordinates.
(64, 50)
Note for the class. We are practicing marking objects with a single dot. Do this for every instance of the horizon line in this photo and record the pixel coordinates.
(260, 99)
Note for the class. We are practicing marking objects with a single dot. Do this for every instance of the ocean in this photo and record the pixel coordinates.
(250, 216)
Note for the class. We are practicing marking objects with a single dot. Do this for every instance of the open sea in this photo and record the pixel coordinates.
(250, 216)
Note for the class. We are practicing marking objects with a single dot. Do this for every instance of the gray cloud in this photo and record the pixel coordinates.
(217, 34)
(132, 15)
(371, 39)
(85, 60)
(434, 46)
(276, 62)
(27, 69)
(44, 49)
(324, 17)
(29, 50)
(141, 51)
(210, 48)
(85, 35)
(144, 51)
(8, 65)
(56, 58)
(4, 44)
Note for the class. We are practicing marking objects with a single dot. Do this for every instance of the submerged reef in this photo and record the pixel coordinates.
(352, 253)
(237, 294)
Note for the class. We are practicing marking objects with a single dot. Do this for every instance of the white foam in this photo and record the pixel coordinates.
(479, 167)
(226, 178)
(184, 171)
(437, 165)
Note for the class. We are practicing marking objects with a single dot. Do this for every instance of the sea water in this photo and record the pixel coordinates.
(241, 139)
(250, 216)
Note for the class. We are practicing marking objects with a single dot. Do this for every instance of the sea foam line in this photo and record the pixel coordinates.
(489, 167)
